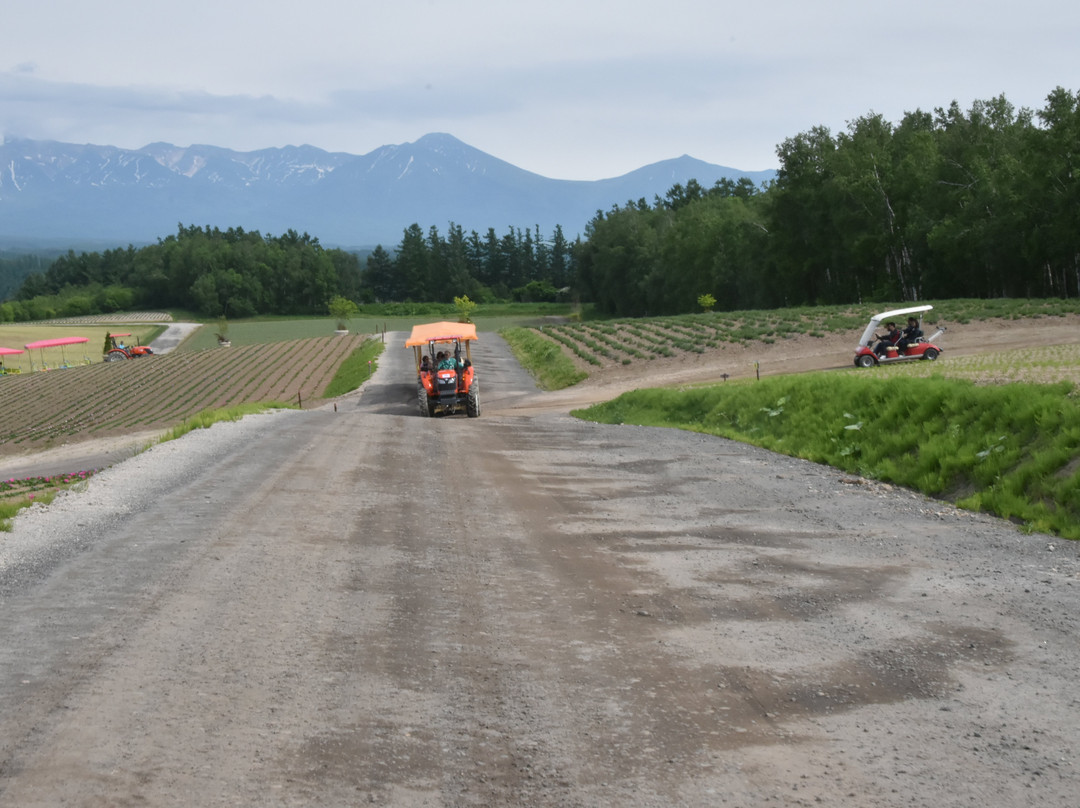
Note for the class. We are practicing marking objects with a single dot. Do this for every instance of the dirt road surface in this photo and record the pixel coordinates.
(363, 606)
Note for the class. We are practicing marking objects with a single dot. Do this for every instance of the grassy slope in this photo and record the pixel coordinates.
(1011, 450)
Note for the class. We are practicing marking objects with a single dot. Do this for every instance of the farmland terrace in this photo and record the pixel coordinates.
(46, 409)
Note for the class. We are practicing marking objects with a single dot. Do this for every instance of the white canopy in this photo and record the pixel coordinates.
(886, 316)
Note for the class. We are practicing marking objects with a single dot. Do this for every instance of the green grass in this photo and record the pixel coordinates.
(1011, 450)
(207, 418)
(356, 369)
(9, 508)
(552, 369)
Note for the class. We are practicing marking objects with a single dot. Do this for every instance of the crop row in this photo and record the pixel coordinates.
(623, 341)
(120, 317)
(159, 391)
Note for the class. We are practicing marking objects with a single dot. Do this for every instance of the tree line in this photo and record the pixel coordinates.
(231, 273)
(236, 273)
(15, 266)
(520, 265)
(982, 203)
(953, 203)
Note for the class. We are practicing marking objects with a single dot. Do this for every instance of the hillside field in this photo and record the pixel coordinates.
(79, 403)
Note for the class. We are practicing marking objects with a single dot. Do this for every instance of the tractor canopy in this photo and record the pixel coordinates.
(441, 332)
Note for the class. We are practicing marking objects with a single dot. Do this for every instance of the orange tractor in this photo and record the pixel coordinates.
(118, 351)
(445, 377)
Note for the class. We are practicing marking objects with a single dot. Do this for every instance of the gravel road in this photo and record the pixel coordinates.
(358, 605)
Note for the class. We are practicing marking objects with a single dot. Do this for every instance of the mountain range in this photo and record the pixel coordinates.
(67, 194)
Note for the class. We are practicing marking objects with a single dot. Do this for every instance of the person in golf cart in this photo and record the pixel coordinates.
(891, 338)
(911, 334)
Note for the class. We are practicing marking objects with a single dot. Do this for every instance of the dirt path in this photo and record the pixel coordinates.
(365, 606)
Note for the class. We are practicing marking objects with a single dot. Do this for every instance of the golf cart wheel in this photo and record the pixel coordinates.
(864, 361)
(930, 354)
(472, 403)
(426, 408)
(115, 355)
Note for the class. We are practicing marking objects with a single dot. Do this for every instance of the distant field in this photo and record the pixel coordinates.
(18, 335)
(103, 399)
(252, 332)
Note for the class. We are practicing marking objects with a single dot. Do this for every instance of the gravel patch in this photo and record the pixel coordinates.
(44, 535)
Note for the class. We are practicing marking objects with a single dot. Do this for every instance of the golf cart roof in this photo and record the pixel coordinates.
(889, 315)
(441, 332)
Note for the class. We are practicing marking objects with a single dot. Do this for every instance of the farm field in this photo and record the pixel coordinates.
(18, 335)
(250, 332)
(625, 354)
(106, 399)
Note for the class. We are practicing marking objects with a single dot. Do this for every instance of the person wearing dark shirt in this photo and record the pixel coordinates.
(911, 334)
(891, 338)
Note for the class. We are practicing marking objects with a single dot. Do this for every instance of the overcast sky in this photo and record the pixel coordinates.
(572, 89)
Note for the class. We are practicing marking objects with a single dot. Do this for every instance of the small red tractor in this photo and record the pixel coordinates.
(118, 351)
(445, 379)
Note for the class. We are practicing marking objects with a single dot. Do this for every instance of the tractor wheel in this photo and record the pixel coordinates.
(930, 354)
(426, 407)
(115, 355)
(864, 361)
(472, 403)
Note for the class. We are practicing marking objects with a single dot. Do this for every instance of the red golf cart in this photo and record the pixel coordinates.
(878, 350)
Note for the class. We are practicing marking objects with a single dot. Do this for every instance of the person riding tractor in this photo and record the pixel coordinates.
(445, 380)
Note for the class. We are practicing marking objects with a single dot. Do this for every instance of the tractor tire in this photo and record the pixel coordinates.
(426, 407)
(472, 403)
(115, 355)
(930, 354)
(864, 361)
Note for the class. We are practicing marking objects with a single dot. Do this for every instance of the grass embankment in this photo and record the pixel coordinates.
(357, 369)
(1011, 450)
(207, 418)
(552, 369)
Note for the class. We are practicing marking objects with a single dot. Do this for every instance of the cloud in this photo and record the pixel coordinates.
(569, 89)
